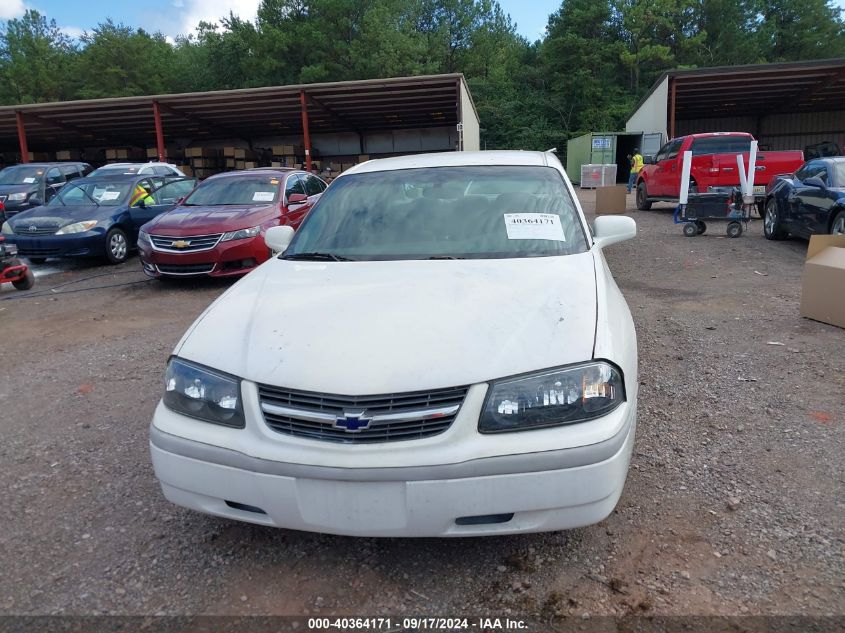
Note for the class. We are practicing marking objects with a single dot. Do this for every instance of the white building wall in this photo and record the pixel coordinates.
(472, 132)
(652, 115)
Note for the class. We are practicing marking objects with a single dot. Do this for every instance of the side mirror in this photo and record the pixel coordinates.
(277, 238)
(648, 159)
(815, 181)
(297, 198)
(609, 229)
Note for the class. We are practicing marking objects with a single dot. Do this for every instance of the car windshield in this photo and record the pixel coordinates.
(236, 190)
(21, 175)
(104, 193)
(482, 212)
(838, 174)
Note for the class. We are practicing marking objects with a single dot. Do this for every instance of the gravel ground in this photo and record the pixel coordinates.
(733, 505)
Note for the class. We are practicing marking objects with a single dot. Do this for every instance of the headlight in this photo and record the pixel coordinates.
(18, 196)
(552, 398)
(242, 234)
(143, 237)
(77, 227)
(203, 394)
(7, 229)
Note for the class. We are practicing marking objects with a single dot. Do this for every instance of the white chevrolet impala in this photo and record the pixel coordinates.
(440, 350)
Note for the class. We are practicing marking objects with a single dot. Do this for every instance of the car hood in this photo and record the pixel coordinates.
(7, 189)
(59, 216)
(184, 220)
(357, 328)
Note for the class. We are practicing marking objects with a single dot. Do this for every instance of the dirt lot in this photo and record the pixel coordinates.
(734, 501)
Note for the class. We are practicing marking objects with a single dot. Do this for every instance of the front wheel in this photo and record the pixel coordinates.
(734, 229)
(772, 228)
(690, 229)
(27, 281)
(643, 203)
(837, 227)
(117, 247)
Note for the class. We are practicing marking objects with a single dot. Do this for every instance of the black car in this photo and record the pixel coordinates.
(30, 185)
(94, 217)
(808, 202)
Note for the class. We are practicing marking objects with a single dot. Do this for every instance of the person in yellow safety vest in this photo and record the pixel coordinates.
(636, 166)
(139, 194)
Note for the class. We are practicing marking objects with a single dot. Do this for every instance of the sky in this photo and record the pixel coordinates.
(174, 17)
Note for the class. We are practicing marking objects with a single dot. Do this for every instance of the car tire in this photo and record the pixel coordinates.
(837, 225)
(643, 203)
(28, 280)
(772, 227)
(117, 246)
(702, 227)
(37, 260)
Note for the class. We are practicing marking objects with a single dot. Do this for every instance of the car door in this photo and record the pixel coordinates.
(815, 202)
(168, 196)
(665, 172)
(803, 199)
(294, 213)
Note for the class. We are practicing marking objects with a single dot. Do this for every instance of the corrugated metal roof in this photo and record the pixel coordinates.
(377, 104)
(757, 90)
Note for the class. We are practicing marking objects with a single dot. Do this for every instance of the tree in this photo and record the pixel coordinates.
(789, 31)
(35, 58)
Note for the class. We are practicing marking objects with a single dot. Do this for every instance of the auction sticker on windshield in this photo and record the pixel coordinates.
(29, 180)
(110, 195)
(263, 196)
(534, 226)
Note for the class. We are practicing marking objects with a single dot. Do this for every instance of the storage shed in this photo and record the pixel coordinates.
(348, 120)
(608, 148)
(796, 105)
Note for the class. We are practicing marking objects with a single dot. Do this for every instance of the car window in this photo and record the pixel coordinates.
(294, 185)
(838, 174)
(382, 216)
(813, 168)
(312, 185)
(70, 171)
(163, 170)
(721, 145)
(173, 191)
(235, 190)
(21, 175)
(54, 177)
(674, 148)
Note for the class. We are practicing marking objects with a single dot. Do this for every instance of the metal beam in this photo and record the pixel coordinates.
(22, 137)
(159, 132)
(306, 134)
(339, 117)
(195, 119)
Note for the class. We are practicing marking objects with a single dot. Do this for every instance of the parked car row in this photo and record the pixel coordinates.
(213, 228)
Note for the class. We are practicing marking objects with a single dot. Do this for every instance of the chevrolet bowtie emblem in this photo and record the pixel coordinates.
(180, 244)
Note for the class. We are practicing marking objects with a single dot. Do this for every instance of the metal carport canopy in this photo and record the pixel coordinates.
(754, 90)
(347, 106)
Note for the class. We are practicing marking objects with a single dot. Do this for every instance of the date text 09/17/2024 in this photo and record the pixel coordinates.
(415, 624)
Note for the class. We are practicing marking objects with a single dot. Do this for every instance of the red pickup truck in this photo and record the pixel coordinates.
(714, 166)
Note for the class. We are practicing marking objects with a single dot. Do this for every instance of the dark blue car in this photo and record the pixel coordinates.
(808, 202)
(94, 217)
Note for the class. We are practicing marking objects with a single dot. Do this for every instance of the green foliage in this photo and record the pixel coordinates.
(597, 59)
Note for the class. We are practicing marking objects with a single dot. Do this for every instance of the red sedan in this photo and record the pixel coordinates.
(218, 229)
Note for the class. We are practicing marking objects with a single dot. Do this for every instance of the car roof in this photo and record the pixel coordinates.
(124, 165)
(515, 158)
(57, 163)
(279, 171)
(111, 178)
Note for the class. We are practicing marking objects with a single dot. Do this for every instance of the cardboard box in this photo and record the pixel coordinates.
(244, 154)
(240, 164)
(200, 152)
(250, 164)
(611, 200)
(282, 150)
(229, 152)
(363, 158)
(823, 281)
(68, 154)
(276, 163)
(230, 163)
(187, 170)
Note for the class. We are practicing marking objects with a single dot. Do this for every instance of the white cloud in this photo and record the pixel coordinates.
(73, 31)
(212, 10)
(11, 9)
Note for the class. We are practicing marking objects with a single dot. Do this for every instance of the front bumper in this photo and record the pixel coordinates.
(87, 244)
(534, 491)
(233, 258)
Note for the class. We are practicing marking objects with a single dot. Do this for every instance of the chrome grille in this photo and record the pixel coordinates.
(192, 243)
(185, 269)
(391, 417)
(24, 229)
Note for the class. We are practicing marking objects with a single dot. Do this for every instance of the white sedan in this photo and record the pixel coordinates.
(440, 350)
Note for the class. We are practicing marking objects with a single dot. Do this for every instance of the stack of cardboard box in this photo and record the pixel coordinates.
(204, 161)
(123, 154)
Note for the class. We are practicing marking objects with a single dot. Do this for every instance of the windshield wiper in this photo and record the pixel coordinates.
(318, 257)
(88, 195)
(445, 257)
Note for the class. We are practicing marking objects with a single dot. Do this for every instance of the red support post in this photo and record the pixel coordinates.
(303, 101)
(159, 133)
(22, 137)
